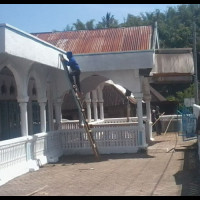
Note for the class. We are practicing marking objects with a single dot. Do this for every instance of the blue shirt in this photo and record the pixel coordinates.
(73, 64)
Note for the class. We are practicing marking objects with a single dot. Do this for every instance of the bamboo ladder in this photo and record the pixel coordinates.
(81, 110)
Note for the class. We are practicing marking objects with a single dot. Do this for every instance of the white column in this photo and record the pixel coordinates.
(24, 118)
(142, 137)
(147, 99)
(101, 109)
(128, 110)
(50, 108)
(94, 102)
(58, 114)
(148, 121)
(42, 116)
(88, 104)
(32, 164)
(101, 101)
(30, 118)
(50, 115)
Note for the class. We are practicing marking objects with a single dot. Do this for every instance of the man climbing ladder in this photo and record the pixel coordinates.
(81, 110)
(74, 70)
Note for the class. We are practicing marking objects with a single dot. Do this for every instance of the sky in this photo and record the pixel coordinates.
(34, 18)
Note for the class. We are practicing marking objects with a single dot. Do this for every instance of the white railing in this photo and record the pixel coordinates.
(171, 123)
(13, 159)
(70, 124)
(21, 155)
(109, 139)
(115, 139)
(120, 120)
(74, 124)
(47, 147)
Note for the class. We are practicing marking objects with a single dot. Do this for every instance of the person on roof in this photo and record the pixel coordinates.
(75, 70)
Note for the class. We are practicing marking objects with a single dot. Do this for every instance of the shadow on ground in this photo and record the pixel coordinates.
(151, 143)
(189, 177)
(72, 159)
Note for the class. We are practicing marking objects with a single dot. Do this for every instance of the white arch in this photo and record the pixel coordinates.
(40, 83)
(20, 77)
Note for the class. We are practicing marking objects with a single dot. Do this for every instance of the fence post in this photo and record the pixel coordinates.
(31, 162)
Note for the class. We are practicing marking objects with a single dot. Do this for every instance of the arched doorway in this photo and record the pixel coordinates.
(34, 118)
(9, 108)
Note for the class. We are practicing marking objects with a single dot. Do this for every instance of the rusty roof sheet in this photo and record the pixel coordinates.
(101, 40)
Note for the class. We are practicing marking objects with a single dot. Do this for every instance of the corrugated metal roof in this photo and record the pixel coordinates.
(101, 40)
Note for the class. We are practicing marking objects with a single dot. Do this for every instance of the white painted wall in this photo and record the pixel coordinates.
(24, 45)
(129, 79)
(116, 61)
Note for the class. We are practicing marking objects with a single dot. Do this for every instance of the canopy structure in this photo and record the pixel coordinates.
(123, 91)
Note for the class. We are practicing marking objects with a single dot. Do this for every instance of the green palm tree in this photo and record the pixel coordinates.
(108, 21)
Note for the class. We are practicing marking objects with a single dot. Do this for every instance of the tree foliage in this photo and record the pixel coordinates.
(108, 21)
(90, 25)
(68, 28)
(180, 95)
(79, 25)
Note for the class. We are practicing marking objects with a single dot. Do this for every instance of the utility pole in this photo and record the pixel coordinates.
(195, 65)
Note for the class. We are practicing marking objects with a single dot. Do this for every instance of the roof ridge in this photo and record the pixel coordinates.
(123, 27)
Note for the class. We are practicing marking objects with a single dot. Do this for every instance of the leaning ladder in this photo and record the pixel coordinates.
(81, 110)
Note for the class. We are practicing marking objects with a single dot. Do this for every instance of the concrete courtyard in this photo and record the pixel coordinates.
(169, 167)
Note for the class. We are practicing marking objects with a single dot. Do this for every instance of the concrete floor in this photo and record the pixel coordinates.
(169, 167)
